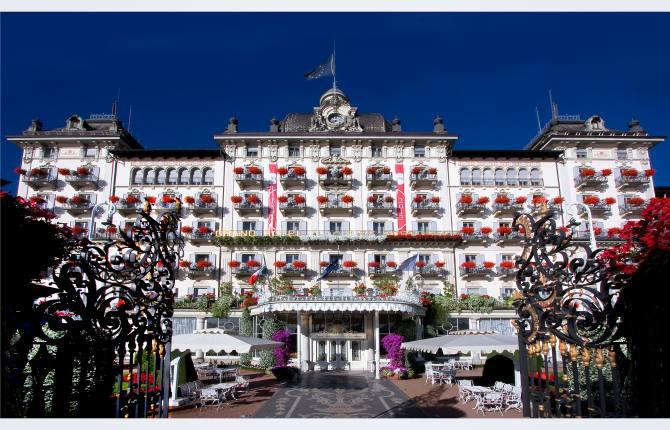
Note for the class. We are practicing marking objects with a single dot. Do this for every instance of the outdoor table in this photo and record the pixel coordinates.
(222, 386)
(478, 391)
(223, 372)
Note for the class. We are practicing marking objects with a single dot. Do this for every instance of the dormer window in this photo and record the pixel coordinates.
(48, 152)
(419, 151)
(581, 153)
(74, 122)
(335, 150)
(622, 154)
(252, 150)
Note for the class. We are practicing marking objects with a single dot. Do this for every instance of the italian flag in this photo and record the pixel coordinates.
(257, 274)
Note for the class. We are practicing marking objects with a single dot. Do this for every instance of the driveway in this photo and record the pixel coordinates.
(336, 394)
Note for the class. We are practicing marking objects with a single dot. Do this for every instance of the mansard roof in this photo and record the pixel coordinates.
(168, 153)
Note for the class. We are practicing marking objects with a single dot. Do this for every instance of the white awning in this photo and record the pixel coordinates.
(464, 344)
(217, 340)
(339, 306)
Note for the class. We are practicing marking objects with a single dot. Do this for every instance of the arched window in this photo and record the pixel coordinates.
(535, 177)
(523, 177)
(149, 176)
(196, 176)
(511, 177)
(172, 176)
(136, 177)
(500, 177)
(183, 176)
(465, 177)
(160, 176)
(209, 176)
(488, 177)
(476, 177)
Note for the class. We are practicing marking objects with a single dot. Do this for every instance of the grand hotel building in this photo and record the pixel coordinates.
(353, 187)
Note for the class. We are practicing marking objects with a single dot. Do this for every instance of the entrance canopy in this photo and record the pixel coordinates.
(464, 344)
(217, 340)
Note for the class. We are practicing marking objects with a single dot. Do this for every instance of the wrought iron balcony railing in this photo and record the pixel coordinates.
(200, 207)
(598, 209)
(124, 207)
(629, 209)
(342, 272)
(335, 179)
(379, 179)
(380, 206)
(39, 181)
(514, 236)
(597, 180)
(430, 271)
(162, 206)
(382, 269)
(505, 272)
(631, 182)
(199, 236)
(195, 271)
(78, 208)
(290, 270)
(244, 269)
(478, 270)
(290, 179)
(421, 180)
(475, 237)
(333, 206)
(470, 208)
(507, 208)
(291, 206)
(82, 181)
(245, 180)
(246, 206)
(425, 206)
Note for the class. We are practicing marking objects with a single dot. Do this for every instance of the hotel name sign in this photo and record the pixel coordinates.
(329, 336)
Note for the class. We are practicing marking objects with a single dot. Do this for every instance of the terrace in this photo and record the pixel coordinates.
(379, 176)
(425, 205)
(40, 178)
(130, 204)
(589, 178)
(471, 269)
(292, 204)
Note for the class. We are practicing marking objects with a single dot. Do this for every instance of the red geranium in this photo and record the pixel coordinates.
(132, 199)
(469, 265)
(20, 171)
(187, 229)
(280, 264)
(501, 199)
(77, 230)
(468, 230)
(37, 171)
(254, 170)
(238, 170)
(418, 199)
(372, 199)
(299, 264)
(391, 264)
(597, 231)
(465, 199)
(489, 264)
(417, 169)
(386, 170)
(299, 199)
(586, 172)
(610, 200)
(539, 200)
(346, 171)
(234, 263)
(503, 229)
(322, 199)
(83, 171)
(113, 199)
(483, 200)
(236, 199)
(521, 199)
(184, 264)
(324, 264)
(282, 171)
(606, 172)
(420, 264)
(253, 263)
(591, 200)
(206, 198)
(372, 170)
(388, 199)
(61, 199)
(347, 198)
(350, 264)
(150, 199)
(167, 199)
(629, 172)
(465, 296)
(64, 172)
(321, 170)
(649, 172)
(614, 231)
(439, 264)
(373, 264)
(282, 199)
(486, 230)
(432, 171)
(636, 201)
(507, 264)
(435, 199)
(204, 229)
(203, 264)
(111, 229)
(558, 200)
(78, 200)
(299, 170)
(253, 199)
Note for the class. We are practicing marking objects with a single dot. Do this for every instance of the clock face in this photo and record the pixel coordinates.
(335, 119)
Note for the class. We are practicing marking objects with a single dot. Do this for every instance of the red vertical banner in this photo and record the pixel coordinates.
(272, 201)
(400, 197)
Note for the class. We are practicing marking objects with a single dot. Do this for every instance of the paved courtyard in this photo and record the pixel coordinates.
(337, 395)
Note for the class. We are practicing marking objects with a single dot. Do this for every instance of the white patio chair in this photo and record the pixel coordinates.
(242, 384)
(209, 397)
(490, 402)
(512, 401)
(498, 386)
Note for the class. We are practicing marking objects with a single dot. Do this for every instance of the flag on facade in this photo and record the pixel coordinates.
(325, 69)
(408, 264)
(257, 274)
(334, 265)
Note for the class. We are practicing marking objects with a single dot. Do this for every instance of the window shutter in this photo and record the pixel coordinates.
(284, 227)
(348, 256)
(620, 199)
(433, 226)
(93, 198)
(302, 226)
(480, 259)
(498, 259)
(259, 228)
(478, 225)
(326, 226)
(239, 225)
(461, 259)
(434, 258)
(281, 256)
(415, 226)
(388, 227)
(345, 226)
(475, 197)
(390, 257)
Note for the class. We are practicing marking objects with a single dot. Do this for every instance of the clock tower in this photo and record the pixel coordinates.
(335, 113)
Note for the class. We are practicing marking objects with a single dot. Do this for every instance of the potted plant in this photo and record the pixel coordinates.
(282, 171)
(360, 290)
(236, 199)
(322, 200)
(299, 171)
(486, 230)
(606, 172)
(465, 199)
(186, 229)
(347, 199)
(238, 170)
(322, 170)
(502, 199)
(346, 171)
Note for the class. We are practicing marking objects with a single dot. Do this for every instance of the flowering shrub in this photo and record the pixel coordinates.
(483, 200)
(233, 264)
(558, 200)
(346, 171)
(591, 200)
(113, 199)
(64, 172)
(350, 264)
(587, 172)
(186, 229)
(486, 230)
(469, 265)
(501, 199)
(520, 199)
(347, 198)
(468, 230)
(322, 199)
(281, 353)
(606, 172)
(393, 345)
(321, 170)
(649, 172)
(465, 199)
(507, 264)
(489, 264)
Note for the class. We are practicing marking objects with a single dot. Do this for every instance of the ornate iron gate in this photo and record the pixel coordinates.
(571, 352)
(103, 327)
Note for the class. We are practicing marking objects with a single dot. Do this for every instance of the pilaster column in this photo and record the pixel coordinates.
(376, 327)
(303, 340)
(200, 323)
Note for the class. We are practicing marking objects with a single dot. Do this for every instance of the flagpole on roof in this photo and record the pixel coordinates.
(332, 69)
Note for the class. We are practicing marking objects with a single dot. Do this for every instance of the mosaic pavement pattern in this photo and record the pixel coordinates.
(335, 395)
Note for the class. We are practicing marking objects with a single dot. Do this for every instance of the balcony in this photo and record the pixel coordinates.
(478, 271)
(430, 271)
(39, 180)
(601, 236)
(80, 181)
(165, 206)
(422, 180)
(292, 205)
(425, 207)
(336, 207)
(249, 180)
(248, 205)
(199, 235)
(205, 204)
(78, 206)
(382, 269)
(380, 207)
(289, 270)
(511, 237)
(628, 209)
(506, 272)
(599, 209)
(379, 179)
(478, 237)
(129, 205)
(293, 177)
(341, 272)
(335, 179)
(508, 208)
(473, 208)
(105, 234)
(201, 269)
(630, 182)
(597, 180)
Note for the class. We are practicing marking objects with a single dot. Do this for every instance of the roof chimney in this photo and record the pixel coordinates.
(35, 125)
(634, 126)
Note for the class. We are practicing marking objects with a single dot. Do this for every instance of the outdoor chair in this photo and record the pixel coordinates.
(512, 401)
(508, 388)
(464, 395)
(499, 386)
(490, 402)
(209, 397)
(242, 384)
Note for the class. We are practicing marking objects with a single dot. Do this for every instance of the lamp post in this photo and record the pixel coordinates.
(592, 236)
(110, 213)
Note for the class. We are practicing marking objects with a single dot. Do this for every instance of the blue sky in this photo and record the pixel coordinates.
(186, 74)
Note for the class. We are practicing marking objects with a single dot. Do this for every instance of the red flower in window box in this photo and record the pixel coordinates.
(386, 170)
(417, 169)
(20, 171)
(78, 200)
(388, 199)
(346, 171)
(280, 264)
(486, 230)
(206, 198)
(465, 296)
(324, 264)
(36, 171)
(347, 198)
(203, 264)
(420, 264)
(299, 170)
(299, 264)
(150, 199)
(439, 264)
(587, 172)
(189, 200)
(372, 199)
(83, 171)
(77, 230)
(629, 172)
(254, 170)
(184, 264)
(614, 231)
(591, 200)
(253, 263)
(469, 265)
(606, 172)
(465, 199)
(507, 264)
(489, 264)
(391, 264)
(253, 199)
(483, 200)
(432, 171)
(61, 199)
(468, 230)
(597, 231)
(233, 264)
(299, 199)
(282, 199)
(610, 200)
(111, 229)
(321, 170)
(167, 199)
(372, 170)
(521, 199)
(537, 200)
(418, 199)
(501, 199)
(435, 199)
(113, 199)
(558, 200)
(322, 199)
(503, 229)
(350, 264)
(282, 171)
(186, 229)
(236, 199)
(636, 201)
(373, 264)
(238, 170)
(131, 199)
(249, 301)
(649, 172)
(204, 229)
(64, 172)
